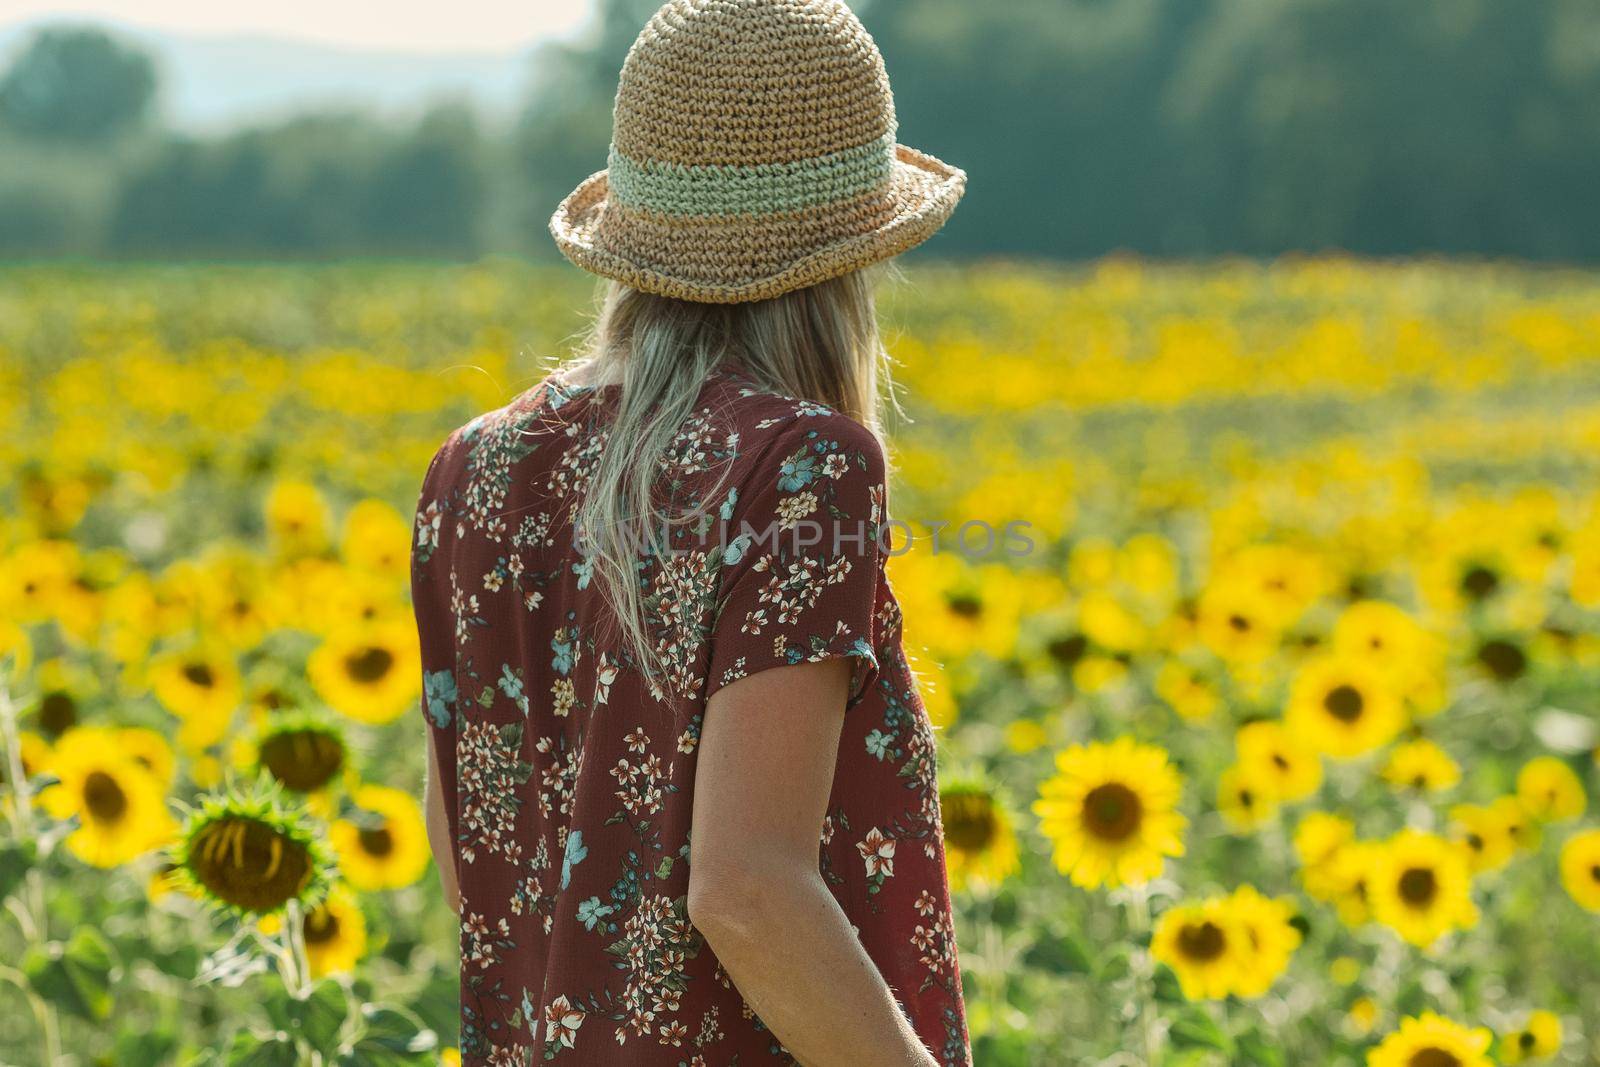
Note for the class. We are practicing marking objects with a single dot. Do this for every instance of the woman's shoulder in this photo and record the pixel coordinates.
(514, 425)
(769, 422)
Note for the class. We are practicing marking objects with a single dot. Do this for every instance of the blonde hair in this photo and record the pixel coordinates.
(819, 343)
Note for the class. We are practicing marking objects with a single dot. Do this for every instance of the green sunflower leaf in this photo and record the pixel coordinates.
(16, 860)
(1195, 1028)
(76, 976)
(317, 1017)
(249, 1050)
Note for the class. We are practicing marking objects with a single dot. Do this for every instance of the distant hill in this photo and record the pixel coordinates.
(208, 83)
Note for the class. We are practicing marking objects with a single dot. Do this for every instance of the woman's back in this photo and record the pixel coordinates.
(570, 790)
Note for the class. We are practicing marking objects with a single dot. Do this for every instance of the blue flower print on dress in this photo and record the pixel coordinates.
(797, 472)
(511, 686)
(562, 645)
(439, 689)
(574, 855)
(591, 912)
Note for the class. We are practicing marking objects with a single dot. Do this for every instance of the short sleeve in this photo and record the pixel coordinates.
(802, 574)
(435, 634)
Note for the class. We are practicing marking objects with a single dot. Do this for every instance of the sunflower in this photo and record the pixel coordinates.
(386, 845)
(1205, 945)
(1293, 770)
(369, 672)
(1423, 766)
(1343, 707)
(202, 688)
(1108, 623)
(1109, 810)
(1550, 790)
(1430, 1040)
(980, 846)
(1394, 643)
(1187, 690)
(1536, 1039)
(120, 805)
(248, 854)
(1518, 824)
(376, 538)
(1580, 868)
(1271, 937)
(297, 518)
(1351, 875)
(335, 934)
(302, 752)
(1246, 798)
(150, 750)
(1235, 621)
(1318, 838)
(37, 579)
(1422, 888)
(1483, 833)
(1385, 635)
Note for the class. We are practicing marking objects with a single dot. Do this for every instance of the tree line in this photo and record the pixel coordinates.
(1165, 127)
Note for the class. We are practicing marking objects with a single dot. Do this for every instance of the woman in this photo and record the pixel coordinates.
(681, 778)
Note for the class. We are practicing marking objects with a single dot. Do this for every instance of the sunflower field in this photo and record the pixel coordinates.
(1270, 739)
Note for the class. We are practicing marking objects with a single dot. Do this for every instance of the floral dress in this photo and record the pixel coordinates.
(571, 786)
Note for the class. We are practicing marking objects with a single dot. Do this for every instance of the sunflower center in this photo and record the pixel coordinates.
(249, 863)
(1202, 941)
(969, 821)
(1479, 582)
(1525, 1039)
(1344, 702)
(58, 713)
(200, 674)
(1475, 842)
(1418, 886)
(1238, 624)
(1594, 872)
(321, 927)
(1503, 659)
(104, 797)
(303, 760)
(1279, 761)
(1112, 812)
(1068, 650)
(1433, 1057)
(965, 605)
(377, 841)
(369, 664)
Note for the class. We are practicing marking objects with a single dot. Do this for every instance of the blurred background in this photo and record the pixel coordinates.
(1278, 320)
(1163, 127)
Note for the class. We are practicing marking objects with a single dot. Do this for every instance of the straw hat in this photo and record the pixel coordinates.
(753, 152)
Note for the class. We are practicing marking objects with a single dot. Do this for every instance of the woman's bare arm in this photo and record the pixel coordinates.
(764, 773)
(438, 822)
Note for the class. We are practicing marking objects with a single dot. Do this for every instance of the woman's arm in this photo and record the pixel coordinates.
(438, 821)
(764, 773)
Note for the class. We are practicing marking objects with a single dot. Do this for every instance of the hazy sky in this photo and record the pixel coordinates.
(452, 25)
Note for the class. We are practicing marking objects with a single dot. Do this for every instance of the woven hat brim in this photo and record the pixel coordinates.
(923, 191)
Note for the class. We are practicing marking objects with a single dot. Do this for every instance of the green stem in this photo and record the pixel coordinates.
(30, 910)
(1138, 917)
(298, 979)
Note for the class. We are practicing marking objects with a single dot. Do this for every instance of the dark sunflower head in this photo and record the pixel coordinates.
(250, 855)
(303, 753)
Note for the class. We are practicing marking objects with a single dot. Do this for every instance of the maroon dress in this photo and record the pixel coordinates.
(572, 781)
